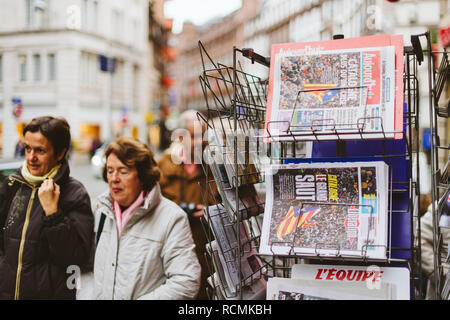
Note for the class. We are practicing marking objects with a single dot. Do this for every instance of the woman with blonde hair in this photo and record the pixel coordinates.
(145, 249)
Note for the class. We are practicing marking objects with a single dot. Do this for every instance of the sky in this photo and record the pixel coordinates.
(197, 11)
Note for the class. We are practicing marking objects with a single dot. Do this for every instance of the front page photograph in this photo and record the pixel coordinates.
(326, 209)
(337, 87)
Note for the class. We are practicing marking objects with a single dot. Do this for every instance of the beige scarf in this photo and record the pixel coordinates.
(35, 180)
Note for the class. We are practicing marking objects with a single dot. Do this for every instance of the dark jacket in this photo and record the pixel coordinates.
(37, 250)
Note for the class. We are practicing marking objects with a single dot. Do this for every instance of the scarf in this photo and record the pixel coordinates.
(35, 180)
(190, 168)
(123, 217)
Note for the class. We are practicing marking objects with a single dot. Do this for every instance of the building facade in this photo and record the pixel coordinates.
(161, 81)
(218, 37)
(49, 62)
(258, 24)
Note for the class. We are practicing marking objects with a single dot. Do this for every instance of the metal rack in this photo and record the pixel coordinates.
(437, 79)
(236, 100)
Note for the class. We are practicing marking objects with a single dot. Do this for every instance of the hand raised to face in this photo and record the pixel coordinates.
(48, 194)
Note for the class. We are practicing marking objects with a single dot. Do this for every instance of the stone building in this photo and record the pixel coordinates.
(49, 61)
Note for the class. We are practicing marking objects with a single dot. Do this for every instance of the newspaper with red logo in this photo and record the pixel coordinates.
(339, 282)
(326, 209)
(339, 89)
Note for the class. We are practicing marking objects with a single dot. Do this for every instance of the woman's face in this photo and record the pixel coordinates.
(124, 183)
(39, 153)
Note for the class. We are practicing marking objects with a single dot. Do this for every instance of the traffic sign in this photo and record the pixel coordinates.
(17, 112)
(18, 107)
(16, 100)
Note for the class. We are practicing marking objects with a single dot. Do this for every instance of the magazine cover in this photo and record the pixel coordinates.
(339, 86)
(371, 277)
(327, 209)
(300, 289)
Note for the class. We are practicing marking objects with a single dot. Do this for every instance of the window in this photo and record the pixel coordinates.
(22, 67)
(51, 63)
(28, 4)
(92, 67)
(84, 69)
(36, 13)
(36, 67)
(117, 24)
(88, 68)
(135, 87)
(84, 14)
(89, 13)
(94, 15)
(135, 32)
(118, 81)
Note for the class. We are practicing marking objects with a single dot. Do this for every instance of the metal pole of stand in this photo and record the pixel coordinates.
(340, 144)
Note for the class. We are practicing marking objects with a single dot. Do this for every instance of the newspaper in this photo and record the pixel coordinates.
(216, 284)
(444, 210)
(372, 278)
(225, 234)
(221, 282)
(234, 153)
(242, 169)
(445, 294)
(326, 209)
(256, 291)
(329, 90)
(250, 202)
(300, 289)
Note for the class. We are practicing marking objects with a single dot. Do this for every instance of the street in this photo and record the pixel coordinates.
(80, 169)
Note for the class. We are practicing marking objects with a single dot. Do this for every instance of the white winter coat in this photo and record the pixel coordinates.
(154, 256)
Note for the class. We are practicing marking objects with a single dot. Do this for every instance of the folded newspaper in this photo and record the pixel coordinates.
(299, 289)
(338, 282)
(326, 209)
(256, 291)
(388, 283)
(240, 159)
(226, 244)
(250, 202)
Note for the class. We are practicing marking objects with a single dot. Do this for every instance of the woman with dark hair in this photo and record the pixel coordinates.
(145, 249)
(46, 219)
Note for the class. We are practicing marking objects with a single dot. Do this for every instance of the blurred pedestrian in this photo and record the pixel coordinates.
(164, 132)
(95, 144)
(427, 251)
(20, 150)
(145, 249)
(45, 218)
(181, 174)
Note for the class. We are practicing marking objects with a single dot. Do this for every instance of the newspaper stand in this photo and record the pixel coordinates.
(437, 79)
(237, 101)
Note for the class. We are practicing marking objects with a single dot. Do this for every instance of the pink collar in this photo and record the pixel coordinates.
(123, 217)
(191, 169)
